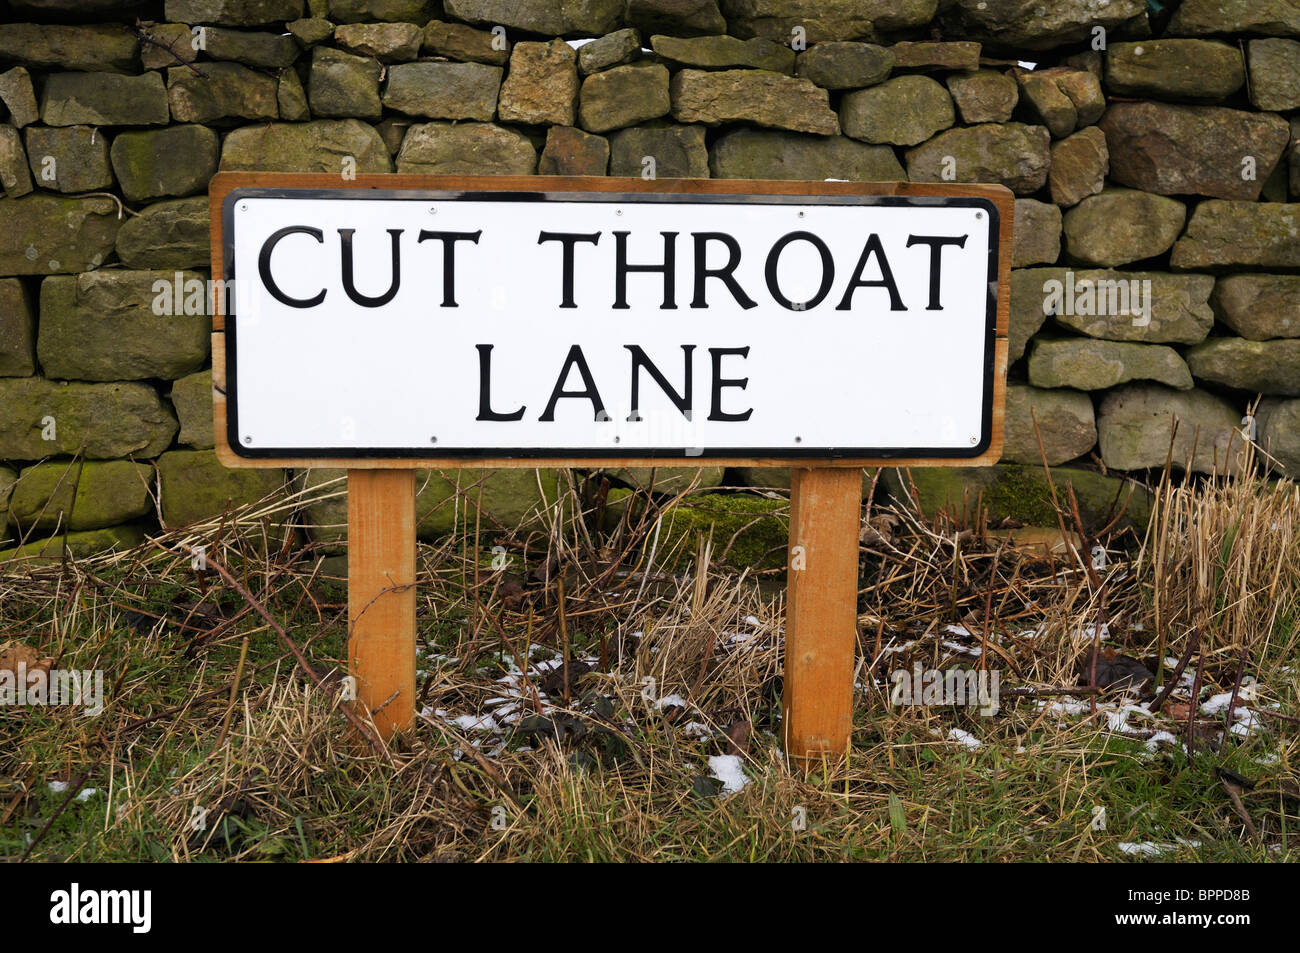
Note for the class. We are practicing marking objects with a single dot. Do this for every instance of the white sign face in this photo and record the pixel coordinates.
(368, 323)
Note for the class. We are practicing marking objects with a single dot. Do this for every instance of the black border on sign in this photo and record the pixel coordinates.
(656, 454)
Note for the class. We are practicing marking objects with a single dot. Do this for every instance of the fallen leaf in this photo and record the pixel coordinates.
(706, 787)
(1117, 671)
(738, 737)
(553, 683)
(24, 655)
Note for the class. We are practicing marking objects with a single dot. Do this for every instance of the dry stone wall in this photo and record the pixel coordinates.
(1152, 148)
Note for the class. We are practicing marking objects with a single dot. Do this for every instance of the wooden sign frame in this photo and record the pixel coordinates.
(821, 629)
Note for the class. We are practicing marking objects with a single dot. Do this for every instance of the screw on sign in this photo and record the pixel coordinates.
(610, 322)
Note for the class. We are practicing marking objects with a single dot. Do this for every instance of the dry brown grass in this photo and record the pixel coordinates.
(1222, 558)
(616, 772)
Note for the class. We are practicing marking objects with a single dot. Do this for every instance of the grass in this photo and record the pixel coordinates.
(215, 744)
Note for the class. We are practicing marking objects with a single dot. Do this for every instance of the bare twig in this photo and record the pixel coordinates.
(1236, 688)
(74, 788)
(234, 693)
(1169, 686)
(144, 37)
(1235, 797)
(1191, 709)
(365, 730)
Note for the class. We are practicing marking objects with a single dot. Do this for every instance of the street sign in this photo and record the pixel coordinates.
(389, 322)
(439, 324)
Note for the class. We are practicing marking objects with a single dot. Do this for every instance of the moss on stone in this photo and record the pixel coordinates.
(194, 485)
(7, 480)
(762, 525)
(100, 421)
(510, 497)
(89, 543)
(81, 496)
(1021, 493)
(1018, 496)
(669, 479)
(621, 504)
(47, 234)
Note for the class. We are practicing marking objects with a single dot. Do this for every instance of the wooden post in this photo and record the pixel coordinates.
(381, 595)
(821, 610)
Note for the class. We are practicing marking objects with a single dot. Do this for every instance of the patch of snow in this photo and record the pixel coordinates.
(58, 787)
(1166, 737)
(1117, 719)
(475, 722)
(1087, 633)
(1244, 720)
(671, 700)
(1218, 703)
(1065, 707)
(964, 738)
(729, 769)
(896, 649)
(956, 630)
(508, 714)
(1244, 723)
(1152, 849)
(697, 729)
(85, 794)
